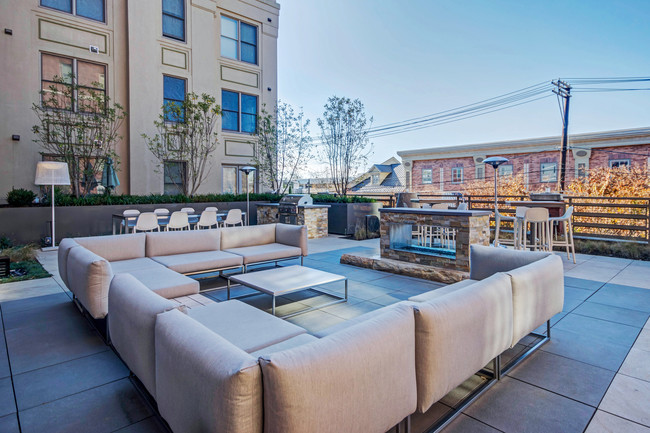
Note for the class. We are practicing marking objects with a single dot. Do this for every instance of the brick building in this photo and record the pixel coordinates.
(449, 168)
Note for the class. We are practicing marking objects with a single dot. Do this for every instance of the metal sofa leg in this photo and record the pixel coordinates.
(548, 328)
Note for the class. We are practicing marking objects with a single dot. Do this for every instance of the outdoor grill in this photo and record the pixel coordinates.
(288, 207)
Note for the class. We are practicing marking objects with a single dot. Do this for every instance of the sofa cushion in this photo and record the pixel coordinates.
(458, 334)
(131, 325)
(266, 252)
(254, 328)
(361, 379)
(486, 261)
(203, 382)
(293, 235)
(181, 242)
(432, 294)
(89, 277)
(196, 262)
(62, 257)
(537, 294)
(167, 283)
(284, 345)
(130, 265)
(236, 237)
(117, 247)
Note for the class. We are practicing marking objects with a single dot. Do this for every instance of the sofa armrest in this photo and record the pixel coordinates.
(89, 278)
(203, 382)
(487, 261)
(289, 234)
(62, 257)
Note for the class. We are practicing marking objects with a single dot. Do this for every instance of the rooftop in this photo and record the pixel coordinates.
(57, 374)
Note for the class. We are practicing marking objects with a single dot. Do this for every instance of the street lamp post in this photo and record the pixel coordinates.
(495, 162)
(247, 170)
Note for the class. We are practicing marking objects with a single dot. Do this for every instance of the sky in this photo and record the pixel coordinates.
(409, 58)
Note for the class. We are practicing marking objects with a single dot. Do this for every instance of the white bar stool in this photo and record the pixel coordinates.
(567, 242)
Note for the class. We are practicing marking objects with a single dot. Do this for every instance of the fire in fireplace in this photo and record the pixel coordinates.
(424, 239)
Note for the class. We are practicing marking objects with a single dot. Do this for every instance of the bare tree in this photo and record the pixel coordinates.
(344, 136)
(282, 146)
(186, 134)
(78, 125)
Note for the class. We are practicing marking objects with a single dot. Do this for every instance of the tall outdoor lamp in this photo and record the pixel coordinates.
(52, 173)
(495, 162)
(247, 170)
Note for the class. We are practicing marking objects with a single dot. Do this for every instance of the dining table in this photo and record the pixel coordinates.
(117, 219)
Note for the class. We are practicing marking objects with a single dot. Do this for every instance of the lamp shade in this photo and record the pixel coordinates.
(495, 161)
(247, 169)
(52, 173)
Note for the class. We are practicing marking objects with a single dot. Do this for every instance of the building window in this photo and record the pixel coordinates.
(582, 169)
(239, 112)
(375, 179)
(174, 177)
(93, 9)
(548, 171)
(457, 175)
(58, 76)
(427, 175)
(234, 181)
(479, 173)
(173, 19)
(173, 98)
(615, 163)
(238, 40)
(505, 170)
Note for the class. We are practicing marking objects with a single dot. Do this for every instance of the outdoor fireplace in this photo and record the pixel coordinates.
(433, 240)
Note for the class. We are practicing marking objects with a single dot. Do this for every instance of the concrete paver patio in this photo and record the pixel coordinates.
(57, 375)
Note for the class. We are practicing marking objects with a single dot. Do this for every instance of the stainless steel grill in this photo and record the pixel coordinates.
(288, 207)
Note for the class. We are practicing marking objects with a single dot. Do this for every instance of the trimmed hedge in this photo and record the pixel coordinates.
(328, 198)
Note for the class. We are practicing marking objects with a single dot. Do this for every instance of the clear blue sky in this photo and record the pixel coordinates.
(409, 58)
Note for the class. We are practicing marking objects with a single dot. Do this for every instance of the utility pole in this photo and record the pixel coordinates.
(563, 91)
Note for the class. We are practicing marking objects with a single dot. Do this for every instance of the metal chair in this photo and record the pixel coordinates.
(147, 222)
(188, 210)
(567, 242)
(540, 232)
(233, 218)
(130, 216)
(498, 217)
(178, 221)
(208, 220)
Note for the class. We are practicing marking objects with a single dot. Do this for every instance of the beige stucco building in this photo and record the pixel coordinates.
(144, 52)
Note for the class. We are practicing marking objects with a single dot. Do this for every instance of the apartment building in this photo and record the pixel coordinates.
(143, 53)
(449, 168)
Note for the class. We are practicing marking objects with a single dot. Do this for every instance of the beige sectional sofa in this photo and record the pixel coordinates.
(229, 367)
(162, 261)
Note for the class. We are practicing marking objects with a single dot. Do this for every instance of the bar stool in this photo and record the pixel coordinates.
(540, 231)
(498, 217)
(520, 213)
(567, 242)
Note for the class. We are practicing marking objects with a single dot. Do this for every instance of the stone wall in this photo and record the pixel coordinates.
(315, 218)
(472, 228)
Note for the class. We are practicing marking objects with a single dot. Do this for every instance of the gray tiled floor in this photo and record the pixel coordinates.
(56, 373)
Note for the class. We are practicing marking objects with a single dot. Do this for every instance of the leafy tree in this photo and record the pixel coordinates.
(78, 125)
(282, 146)
(344, 136)
(187, 134)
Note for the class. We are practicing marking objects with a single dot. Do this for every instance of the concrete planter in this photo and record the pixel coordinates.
(343, 217)
(30, 224)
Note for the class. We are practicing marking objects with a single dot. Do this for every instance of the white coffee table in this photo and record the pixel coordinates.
(289, 279)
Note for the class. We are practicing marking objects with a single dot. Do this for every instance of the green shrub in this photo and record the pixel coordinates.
(330, 198)
(97, 200)
(625, 250)
(5, 243)
(20, 197)
(20, 253)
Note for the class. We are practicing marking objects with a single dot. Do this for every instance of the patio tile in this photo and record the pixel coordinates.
(51, 383)
(582, 283)
(564, 376)
(643, 341)
(57, 308)
(637, 364)
(347, 312)
(613, 314)
(391, 298)
(315, 321)
(570, 305)
(367, 291)
(464, 424)
(515, 406)
(586, 348)
(102, 409)
(44, 344)
(616, 295)
(422, 421)
(603, 422)
(149, 425)
(601, 330)
(28, 289)
(577, 293)
(632, 277)
(7, 403)
(598, 273)
(628, 398)
(9, 424)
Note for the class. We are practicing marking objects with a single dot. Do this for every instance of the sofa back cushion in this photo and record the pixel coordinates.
(62, 256)
(458, 334)
(537, 294)
(361, 378)
(182, 242)
(89, 277)
(236, 237)
(131, 325)
(293, 235)
(203, 382)
(485, 261)
(116, 247)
